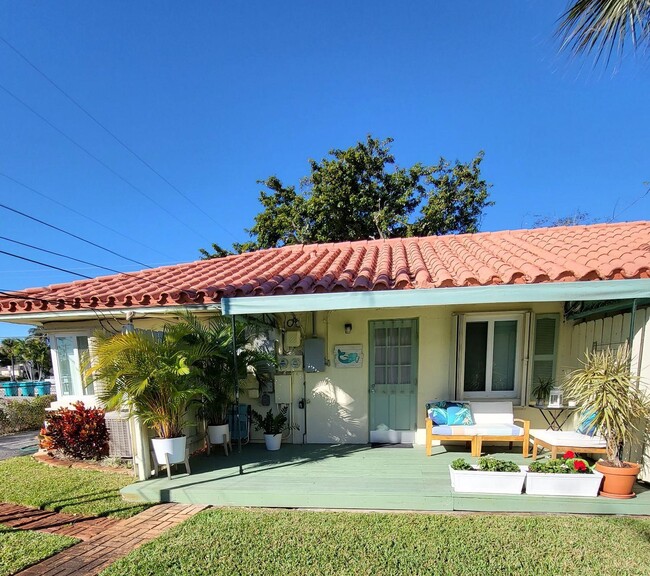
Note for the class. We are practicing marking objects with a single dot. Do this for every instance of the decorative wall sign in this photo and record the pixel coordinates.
(348, 356)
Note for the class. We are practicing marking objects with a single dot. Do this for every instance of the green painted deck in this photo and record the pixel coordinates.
(353, 477)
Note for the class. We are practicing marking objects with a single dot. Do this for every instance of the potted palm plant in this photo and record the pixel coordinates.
(273, 425)
(154, 376)
(216, 364)
(617, 411)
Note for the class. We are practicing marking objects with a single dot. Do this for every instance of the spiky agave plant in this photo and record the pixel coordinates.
(152, 374)
(605, 387)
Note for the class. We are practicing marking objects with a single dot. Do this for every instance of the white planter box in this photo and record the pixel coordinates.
(563, 484)
(487, 482)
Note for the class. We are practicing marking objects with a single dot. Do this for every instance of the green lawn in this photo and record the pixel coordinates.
(22, 548)
(25, 481)
(231, 541)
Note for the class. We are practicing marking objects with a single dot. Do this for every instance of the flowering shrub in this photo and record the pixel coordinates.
(79, 432)
(565, 464)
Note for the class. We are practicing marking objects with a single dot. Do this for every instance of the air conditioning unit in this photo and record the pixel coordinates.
(119, 435)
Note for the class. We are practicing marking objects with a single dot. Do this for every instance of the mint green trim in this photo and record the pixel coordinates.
(503, 294)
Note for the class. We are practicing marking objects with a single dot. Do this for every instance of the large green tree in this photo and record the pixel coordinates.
(603, 26)
(361, 193)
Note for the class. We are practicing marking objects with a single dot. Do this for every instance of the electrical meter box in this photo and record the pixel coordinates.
(292, 363)
(283, 389)
(314, 350)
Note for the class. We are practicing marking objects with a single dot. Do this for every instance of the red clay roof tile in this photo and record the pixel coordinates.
(563, 254)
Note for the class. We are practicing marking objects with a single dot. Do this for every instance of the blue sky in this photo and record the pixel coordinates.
(217, 95)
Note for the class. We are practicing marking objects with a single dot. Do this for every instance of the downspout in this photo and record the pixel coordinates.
(236, 388)
(632, 321)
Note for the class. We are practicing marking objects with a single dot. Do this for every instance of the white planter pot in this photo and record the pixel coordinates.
(273, 441)
(563, 484)
(215, 433)
(487, 482)
(174, 447)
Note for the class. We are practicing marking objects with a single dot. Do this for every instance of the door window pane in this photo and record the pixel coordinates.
(504, 355)
(475, 356)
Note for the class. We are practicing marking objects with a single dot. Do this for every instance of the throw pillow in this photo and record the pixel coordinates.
(459, 414)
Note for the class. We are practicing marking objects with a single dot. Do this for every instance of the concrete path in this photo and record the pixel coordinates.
(18, 444)
(89, 558)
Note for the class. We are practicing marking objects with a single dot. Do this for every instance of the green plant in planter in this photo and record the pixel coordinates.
(492, 464)
(566, 464)
(542, 389)
(606, 389)
(215, 361)
(273, 423)
(460, 464)
(152, 374)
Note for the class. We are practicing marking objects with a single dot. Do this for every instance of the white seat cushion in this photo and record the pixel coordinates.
(488, 413)
(568, 438)
(499, 430)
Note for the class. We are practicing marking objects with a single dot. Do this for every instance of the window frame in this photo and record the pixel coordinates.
(56, 368)
(520, 377)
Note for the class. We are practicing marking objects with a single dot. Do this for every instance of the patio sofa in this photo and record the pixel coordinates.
(475, 422)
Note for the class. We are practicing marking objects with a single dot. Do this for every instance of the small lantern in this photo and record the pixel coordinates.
(555, 398)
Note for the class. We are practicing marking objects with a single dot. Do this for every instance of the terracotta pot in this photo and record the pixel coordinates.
(618, 482)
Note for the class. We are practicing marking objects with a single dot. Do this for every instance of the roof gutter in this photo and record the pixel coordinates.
(103, 313)
(499, 294)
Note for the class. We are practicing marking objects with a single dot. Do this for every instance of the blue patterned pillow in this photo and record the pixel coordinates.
(450, 413)
(586, 424)
(459, 414)
(437, 412)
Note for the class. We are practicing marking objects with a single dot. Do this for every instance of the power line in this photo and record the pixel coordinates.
(116, 138)
(74, 235)
(98, 160)
(137, 278)
(46, 265)
(74, 211)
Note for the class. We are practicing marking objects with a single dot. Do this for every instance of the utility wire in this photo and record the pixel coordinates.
(46, 265)
(74, 235)
(137, 278)
(112, 135)
(74, 211)
(98, 160)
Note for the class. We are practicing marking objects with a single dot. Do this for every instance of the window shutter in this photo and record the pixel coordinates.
(545, 350)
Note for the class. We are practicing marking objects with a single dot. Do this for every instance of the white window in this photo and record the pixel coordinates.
(68, 352)
(490, 362)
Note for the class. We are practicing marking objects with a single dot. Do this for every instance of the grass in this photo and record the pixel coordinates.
(22, 548)
(231, 541)
(25, 481)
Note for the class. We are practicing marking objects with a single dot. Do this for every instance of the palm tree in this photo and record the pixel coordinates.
(215, 361)
(153, 374)
(12, 348)
(603, 26)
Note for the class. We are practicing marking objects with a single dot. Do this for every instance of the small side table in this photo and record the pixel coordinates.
(555, 416)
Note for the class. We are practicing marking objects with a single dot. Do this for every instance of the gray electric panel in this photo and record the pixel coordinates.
(314, 349)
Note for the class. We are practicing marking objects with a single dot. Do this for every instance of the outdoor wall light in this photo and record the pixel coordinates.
(348, 328)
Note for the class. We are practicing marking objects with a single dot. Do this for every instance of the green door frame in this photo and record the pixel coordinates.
(398, 397)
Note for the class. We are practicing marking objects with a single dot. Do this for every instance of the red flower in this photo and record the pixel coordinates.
(568, 455)
(579, 465)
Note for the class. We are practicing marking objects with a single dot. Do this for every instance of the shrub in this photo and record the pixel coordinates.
(79, 432)
(19, 415)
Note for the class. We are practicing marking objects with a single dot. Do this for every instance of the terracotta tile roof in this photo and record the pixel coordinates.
(563, 254)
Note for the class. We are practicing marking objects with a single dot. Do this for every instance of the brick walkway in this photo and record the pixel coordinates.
(93, 555)
(82, 527)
